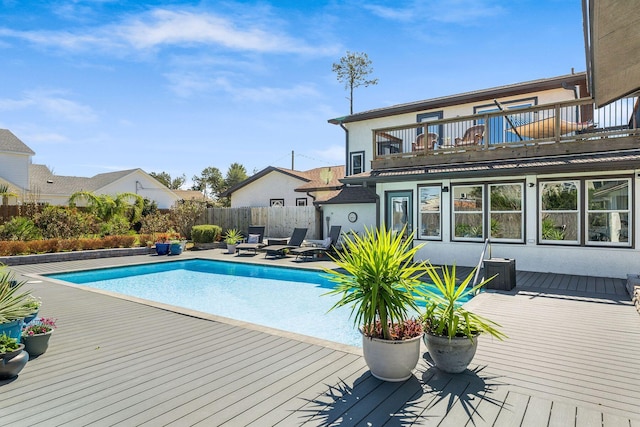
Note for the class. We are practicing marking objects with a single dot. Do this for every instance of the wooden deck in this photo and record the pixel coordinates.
(572, 359)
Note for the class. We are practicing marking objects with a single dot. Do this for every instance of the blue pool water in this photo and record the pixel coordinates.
(283, 298)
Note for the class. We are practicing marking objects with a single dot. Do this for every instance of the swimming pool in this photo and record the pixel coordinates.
(278, 297)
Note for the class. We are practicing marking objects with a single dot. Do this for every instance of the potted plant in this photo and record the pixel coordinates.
(162, 244)
(176, 247)
(451, 331)
(12, 357)
(377, 278)
(35, 336)
(33, 303)
(232, 238)
(13, 304)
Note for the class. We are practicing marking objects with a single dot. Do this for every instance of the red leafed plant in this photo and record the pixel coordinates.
(411, 328)
(39, 326)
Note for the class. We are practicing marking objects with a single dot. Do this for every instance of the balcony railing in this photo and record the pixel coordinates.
(575, 120)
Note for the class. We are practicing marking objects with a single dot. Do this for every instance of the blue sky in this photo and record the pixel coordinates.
(94, 86)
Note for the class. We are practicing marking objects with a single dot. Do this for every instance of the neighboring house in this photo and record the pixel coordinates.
(535, 167)
(38, 184)
(192, 195)
(275, 186)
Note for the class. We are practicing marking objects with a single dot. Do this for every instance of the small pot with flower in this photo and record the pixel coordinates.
(36, 334)
(32, 303)
(12, 357)
(377, 278)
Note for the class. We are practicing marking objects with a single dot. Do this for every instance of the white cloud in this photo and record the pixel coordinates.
(52, 103)
(172, 28)
(445, 11)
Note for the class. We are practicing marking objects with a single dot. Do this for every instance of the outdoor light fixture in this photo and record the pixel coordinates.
(445, 189)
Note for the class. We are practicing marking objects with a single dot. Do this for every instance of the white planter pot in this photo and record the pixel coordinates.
(451, 355)
(391, 360)
(231, 249)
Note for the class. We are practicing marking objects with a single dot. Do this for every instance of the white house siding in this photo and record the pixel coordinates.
(274, 185)
(15, 169)
(338, 215)
(530, 255)
(361, 136)
(143, 185)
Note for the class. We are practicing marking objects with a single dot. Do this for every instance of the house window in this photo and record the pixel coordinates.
(276, 202)
(608, 211)
(430, 213)
(301, 201)
(506, 219)
(468, 214)
(357, 162)
(559, 212)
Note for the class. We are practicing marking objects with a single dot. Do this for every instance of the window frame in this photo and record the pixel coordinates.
(628, 211)
(522, 212)
(276, 202)
(301, 201)
(579, 211)
(482, 211)
(352, 156)
(421, 236)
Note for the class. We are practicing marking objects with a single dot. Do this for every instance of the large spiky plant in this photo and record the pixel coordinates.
(445, 314)
(14, 303)
(378, 279)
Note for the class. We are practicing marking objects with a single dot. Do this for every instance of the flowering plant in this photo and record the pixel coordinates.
(39, 326)
(33, 303)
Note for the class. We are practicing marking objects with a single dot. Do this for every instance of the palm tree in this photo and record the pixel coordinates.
(107, 207)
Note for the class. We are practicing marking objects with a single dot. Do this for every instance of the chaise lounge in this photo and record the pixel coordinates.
(327, 246)
(254, 240)
(295, 241)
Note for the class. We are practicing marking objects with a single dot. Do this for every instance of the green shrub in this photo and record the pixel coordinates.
(206, 233)
(156, 222)
(19, 228)
(116, 226)
(59, 222)
(185, 214)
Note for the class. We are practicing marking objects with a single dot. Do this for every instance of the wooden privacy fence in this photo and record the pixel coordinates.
(278, 220)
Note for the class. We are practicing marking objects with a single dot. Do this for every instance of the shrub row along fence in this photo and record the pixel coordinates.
(278, 220)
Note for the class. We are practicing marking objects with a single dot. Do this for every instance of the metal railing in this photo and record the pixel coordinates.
(487, 245)
(542, 124)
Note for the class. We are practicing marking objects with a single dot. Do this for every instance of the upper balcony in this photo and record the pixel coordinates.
(569, 127)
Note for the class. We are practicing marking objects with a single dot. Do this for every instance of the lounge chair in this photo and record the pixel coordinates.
(296, 240)
(328, 246)
(254, 240)
(472, 136)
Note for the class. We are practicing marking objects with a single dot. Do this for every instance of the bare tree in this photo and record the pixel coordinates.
(352, 70)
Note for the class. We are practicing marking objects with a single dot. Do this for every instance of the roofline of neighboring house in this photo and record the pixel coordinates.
(325, 188)
(259, 175)
(467, 97)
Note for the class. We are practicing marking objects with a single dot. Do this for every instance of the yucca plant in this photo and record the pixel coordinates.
(233, 237)
(14, 303)
(378, 280)
(445, 315)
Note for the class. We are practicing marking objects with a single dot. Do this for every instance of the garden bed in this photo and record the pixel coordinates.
(74, 255)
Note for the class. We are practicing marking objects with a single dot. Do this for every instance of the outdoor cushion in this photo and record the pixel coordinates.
(253, 238)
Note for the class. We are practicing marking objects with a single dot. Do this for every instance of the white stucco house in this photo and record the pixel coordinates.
(274, 186)
(36, 183)
(536, 167)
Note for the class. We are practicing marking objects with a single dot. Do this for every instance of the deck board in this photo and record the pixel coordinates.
(116, 361)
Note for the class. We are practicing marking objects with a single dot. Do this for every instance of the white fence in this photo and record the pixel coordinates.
(278, 220)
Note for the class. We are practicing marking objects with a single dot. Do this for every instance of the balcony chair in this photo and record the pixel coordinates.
(432, 142)
(472, 136)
